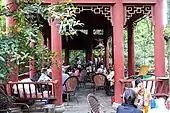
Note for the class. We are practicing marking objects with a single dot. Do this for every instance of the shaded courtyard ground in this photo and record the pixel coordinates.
(82, 105)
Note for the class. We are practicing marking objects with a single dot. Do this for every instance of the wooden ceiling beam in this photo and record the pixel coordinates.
(139, 1)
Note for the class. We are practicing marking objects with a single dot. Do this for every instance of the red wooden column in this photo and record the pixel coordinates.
(106, 53)
(131, 52)
(31, 64)
(10, 22)
(90, 44)
(56, 46)
(107, 57)
(159, 40)
(117, 19)
(57, 71)
(66, 58)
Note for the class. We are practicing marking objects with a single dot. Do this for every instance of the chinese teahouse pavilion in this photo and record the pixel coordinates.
(111, 17)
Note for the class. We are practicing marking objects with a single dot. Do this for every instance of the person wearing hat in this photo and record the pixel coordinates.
(128, 105)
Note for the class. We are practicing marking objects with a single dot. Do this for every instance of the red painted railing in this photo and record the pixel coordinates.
(32, 90)
(157, 87)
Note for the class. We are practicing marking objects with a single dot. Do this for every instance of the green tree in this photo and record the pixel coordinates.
(14, 47)
(144, 43)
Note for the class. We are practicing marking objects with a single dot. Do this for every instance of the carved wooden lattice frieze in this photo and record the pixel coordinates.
(131, 10)
(96, 9)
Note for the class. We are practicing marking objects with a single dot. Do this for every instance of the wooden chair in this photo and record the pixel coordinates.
(7, 106)
(70, 86)
(94, 104)
(83, 76)
(99, 80)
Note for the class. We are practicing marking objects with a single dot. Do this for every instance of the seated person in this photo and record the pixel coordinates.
(64, 77)
(101, 69)
(160, 107)
(143, 95)
(76, 72)
(27, 89)
(128, 105)
(110, 76)
(44, 76)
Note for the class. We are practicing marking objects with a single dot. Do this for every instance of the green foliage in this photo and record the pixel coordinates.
(8, 54)
(167, 32)
(2, 18)
(144, 43)
(15, 47)
(77, 54)
(62, 14)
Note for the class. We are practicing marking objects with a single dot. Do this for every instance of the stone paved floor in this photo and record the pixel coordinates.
(82, 106)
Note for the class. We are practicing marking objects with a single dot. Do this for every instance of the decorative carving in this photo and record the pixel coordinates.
(96, 9)
(131, 10)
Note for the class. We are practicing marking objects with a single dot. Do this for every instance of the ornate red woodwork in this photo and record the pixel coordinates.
(135, 12)
(96, 9)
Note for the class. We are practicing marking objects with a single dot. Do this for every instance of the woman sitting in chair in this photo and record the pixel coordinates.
(128, 106)
(143, 95)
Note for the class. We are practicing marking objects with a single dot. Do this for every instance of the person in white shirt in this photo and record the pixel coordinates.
(64, 77)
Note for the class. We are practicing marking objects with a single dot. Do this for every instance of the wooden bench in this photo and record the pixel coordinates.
(25, 90)
(158, 87)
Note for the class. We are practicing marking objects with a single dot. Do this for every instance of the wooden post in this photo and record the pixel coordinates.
(131, 52)
(10, 22)
(66, 59)
(117, 19)
(106, 53)
(57, 71)
(31, 64)
(159, 40)
(56, 47)
(90, 44)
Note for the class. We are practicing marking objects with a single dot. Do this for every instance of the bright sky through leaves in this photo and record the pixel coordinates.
(165, 12)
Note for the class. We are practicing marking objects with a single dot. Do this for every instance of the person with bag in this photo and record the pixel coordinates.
(128, 105)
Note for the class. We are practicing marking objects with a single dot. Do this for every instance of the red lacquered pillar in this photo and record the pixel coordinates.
(10, 22)
(56, 46)
(131, 52)
(117, 19)
(159, 40)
